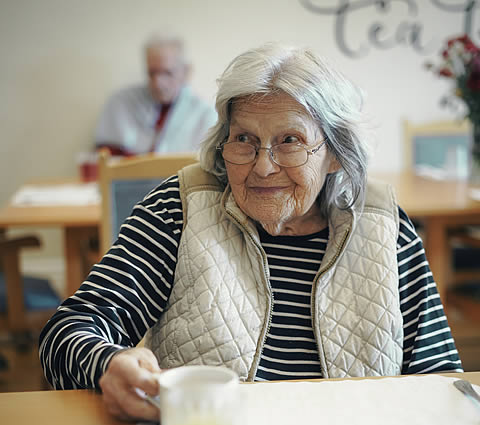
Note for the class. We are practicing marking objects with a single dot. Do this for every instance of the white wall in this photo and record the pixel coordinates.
(62, 58)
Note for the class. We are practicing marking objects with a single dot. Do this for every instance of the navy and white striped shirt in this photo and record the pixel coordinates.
(127, 291)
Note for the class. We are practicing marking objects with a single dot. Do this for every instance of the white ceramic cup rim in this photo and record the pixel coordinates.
(196, 375)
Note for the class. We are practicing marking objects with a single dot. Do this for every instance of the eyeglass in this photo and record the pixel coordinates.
(283, 154)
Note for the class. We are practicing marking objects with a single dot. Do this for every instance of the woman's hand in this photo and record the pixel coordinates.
(128, 371)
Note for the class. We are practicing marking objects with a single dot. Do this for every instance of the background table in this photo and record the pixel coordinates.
(439, 206)
(79, 223)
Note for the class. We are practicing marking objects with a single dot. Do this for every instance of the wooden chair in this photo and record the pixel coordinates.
(440, 148)
(26, 302)
(125, 181)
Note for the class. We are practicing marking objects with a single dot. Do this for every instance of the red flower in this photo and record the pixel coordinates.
(445, 72)
(460, 62)
(465, 40)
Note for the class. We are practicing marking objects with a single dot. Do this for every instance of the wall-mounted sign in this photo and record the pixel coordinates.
(408, 29)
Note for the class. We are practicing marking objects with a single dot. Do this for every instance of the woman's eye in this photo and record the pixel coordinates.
(243, 138)
(291, 139)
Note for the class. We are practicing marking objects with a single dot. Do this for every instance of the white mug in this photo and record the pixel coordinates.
(199, 395)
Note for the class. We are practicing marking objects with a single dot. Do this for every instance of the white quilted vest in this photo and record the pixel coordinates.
(219, 310)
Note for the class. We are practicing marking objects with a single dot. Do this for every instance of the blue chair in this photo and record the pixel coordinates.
(26, 302)
(124, 194)
(125, 181)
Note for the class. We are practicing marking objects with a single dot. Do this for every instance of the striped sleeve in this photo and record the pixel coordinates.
(428, 344)
(121, 298)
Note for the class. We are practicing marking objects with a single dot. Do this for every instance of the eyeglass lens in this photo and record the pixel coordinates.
(285, 154)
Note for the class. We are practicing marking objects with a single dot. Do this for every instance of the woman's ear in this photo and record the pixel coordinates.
(334, 165)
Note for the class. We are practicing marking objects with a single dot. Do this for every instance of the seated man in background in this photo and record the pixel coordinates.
(161, 116)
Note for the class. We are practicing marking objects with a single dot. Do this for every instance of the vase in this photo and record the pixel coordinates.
(475, 155)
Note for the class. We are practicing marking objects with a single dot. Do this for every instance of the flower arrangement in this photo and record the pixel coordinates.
(461, 63)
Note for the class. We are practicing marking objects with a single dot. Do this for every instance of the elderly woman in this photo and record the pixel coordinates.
(273, 256)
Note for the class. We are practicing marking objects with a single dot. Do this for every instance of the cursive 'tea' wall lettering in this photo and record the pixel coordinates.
(409, 31)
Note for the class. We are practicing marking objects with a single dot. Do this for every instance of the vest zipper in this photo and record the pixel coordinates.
(264, 333)
(314, 290)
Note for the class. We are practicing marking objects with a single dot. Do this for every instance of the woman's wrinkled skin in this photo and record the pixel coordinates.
(128, 370)
(281, 199)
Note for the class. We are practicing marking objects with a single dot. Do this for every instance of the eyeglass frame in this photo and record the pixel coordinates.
(310, 152)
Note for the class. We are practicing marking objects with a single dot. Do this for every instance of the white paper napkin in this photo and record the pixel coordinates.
(412, 400)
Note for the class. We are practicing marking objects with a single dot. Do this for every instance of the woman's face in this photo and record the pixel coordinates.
(281, 199)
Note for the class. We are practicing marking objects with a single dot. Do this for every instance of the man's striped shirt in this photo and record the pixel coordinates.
(128, 290)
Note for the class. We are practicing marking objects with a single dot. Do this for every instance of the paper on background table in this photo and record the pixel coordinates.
(57, 195)
(412, 400)
(474, 194)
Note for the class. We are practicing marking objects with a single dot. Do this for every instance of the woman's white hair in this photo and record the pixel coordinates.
(331, 99)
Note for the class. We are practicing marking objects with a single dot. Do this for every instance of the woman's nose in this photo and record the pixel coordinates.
(264, 164)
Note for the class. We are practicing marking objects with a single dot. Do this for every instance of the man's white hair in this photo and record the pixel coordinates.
(158, 39)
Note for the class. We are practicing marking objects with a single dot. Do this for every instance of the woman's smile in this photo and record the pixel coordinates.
(266, 190)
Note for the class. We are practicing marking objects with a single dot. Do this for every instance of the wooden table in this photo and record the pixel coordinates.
(78, 224)
(82, 407)
(74, 407)
(439, 205)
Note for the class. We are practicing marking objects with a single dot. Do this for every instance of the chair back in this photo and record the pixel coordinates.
(125, 181)
(439, 149)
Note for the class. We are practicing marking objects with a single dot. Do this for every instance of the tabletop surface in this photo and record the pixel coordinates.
(81, 407)
(50, 216)
(57, 215)
(420, 196)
